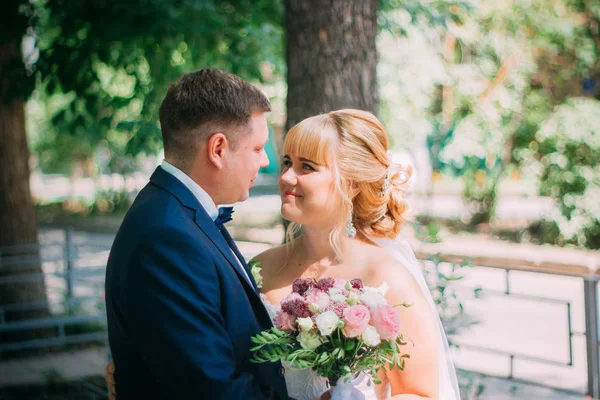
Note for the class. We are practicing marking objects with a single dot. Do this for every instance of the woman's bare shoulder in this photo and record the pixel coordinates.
(385, 268)
(272, 260)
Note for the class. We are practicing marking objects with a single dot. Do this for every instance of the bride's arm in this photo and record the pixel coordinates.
(420, 377)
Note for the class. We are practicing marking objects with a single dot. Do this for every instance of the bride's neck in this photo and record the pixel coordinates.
(317, 245)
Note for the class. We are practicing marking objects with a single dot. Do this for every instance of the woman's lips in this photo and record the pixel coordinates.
(290, 194)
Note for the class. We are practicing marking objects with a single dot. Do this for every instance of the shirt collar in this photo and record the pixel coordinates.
(204, 198)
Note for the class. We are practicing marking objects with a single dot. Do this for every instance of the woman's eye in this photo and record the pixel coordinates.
(286, 163)
(308, 167)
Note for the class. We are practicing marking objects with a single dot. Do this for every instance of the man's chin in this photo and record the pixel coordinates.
(244, 196)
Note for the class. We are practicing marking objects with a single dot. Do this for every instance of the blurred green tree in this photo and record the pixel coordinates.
(570, 169)
(104, 66)
(507, 66)
(18, 227)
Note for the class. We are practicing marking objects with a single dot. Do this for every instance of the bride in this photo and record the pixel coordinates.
(340, 190)
(345, 201)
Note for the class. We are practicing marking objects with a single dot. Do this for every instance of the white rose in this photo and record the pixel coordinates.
(309, 340)
(336, 295)
(327, 322)
(373, 298)
(338, 298)
(314, 307)
(370, 336)
(305, 324)
(383, 288)
(352, 299)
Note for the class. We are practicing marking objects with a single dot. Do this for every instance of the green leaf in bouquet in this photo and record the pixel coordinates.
(341, 353)
(349, 345)
(401, 341)
(279, 333)
(376, 380)
(324, 356)
(265, 354)
(258, 339)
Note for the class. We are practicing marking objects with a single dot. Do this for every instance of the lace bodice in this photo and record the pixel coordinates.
(305, 384)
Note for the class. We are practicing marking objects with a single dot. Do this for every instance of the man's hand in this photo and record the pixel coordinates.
(109, 377)
(324, 396)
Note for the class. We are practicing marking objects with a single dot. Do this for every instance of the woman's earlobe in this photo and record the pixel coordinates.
(354, 190)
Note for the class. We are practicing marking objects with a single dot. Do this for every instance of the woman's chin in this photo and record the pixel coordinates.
(288, 214)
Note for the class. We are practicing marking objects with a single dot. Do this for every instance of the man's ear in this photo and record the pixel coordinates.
(216, 146)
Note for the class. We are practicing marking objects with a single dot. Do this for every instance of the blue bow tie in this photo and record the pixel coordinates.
(224, 216)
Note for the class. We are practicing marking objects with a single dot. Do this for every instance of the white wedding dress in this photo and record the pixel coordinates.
(305, 384)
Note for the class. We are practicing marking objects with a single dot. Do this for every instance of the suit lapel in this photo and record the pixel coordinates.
(239, 255)
(208, 226)
(168, 182)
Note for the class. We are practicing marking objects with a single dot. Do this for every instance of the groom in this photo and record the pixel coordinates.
(180, 299)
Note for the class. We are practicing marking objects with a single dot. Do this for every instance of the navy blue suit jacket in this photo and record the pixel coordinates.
(180, 310)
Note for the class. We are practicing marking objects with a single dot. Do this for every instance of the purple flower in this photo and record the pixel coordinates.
(357, 283)
(325, 284)
(300, 285)
(296, 308)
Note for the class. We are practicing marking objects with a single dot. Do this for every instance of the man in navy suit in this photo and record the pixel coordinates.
(181, 301)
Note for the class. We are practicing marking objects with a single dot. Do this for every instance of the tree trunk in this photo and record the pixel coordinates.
(19, 253)
(331, 56)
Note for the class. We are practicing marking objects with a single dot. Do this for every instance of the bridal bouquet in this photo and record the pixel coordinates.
(336, 327)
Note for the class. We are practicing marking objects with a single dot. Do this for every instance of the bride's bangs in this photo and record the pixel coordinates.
(311, 139)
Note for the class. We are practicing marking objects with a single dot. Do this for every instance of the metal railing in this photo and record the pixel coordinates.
(584, 271)
(73, 272)
(74, 268)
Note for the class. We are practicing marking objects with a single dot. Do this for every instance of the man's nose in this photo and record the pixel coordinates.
(264, 162)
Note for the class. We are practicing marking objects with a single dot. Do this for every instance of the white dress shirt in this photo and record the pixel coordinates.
(203, 198)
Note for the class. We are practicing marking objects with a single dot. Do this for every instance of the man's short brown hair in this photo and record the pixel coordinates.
(204, 102)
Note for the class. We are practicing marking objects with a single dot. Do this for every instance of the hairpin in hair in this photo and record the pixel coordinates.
(386, 181)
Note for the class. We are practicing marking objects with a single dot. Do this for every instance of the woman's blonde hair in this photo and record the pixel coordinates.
(354, 144)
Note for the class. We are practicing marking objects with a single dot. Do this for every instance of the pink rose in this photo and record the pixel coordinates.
(356, 320)
(318, 297)
(387, 322)
(284, 321)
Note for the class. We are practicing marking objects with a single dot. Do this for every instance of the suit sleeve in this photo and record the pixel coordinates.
(173, 314)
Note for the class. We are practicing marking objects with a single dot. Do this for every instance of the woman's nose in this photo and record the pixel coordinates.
(288, 177)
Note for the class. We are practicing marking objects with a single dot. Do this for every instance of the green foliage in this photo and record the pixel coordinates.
(436, 13)
(569, 144)
(479, 86)
(447, 300)
(104, 202)
(14, 21)
(337, 357)
(112, 61)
